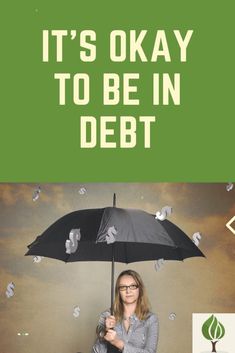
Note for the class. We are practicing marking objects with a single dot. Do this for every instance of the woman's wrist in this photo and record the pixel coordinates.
(118, 343)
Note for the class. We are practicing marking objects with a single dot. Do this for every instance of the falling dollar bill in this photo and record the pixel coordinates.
(110, 237)
(10, 290)
(158, 264)
(172, 316)
(71, 244)
(37, 259)
(82, 191)
(196, 238)
(76, 311)
(229, 186)
(164, 213)
(36, 193)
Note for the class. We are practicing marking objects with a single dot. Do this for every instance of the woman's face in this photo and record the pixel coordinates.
(129, 295)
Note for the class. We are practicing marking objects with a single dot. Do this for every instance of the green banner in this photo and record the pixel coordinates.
(124, 91)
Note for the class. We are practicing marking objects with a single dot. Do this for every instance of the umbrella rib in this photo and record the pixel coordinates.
(132, 225)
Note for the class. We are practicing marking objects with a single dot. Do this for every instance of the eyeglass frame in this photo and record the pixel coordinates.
(124, 288)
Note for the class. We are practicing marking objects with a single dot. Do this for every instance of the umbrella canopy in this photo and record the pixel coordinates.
(127, 235)
(113, 234)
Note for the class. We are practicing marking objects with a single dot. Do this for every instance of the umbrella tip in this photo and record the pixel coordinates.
(114, 200)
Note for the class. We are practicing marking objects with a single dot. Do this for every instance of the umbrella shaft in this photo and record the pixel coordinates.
(112, 273)
(112, 280)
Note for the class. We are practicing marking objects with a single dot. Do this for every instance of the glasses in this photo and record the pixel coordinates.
(131, 287)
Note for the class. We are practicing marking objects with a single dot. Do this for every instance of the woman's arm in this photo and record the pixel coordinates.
(100, 344)
(111, 336)
(101, 327)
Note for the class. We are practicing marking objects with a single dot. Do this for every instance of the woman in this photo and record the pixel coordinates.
(132, 328)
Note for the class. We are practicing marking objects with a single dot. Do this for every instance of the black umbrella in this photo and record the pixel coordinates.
(113, 234)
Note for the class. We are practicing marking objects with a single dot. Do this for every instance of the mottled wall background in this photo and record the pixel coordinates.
(46, 293)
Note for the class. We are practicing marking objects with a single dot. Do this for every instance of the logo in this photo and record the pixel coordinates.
(213, 330)
(213, 333)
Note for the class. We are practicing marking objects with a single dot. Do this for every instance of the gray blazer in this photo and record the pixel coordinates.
(142, 336)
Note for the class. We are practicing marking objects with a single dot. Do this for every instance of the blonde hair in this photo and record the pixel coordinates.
(142, 307)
